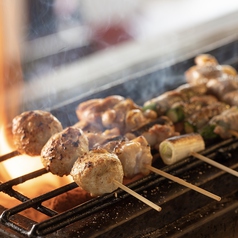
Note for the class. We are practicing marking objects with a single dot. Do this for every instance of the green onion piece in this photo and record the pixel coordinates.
(175, 114)
(151, 106)
(207, 132)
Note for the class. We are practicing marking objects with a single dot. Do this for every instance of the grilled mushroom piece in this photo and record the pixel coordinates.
(32, 129)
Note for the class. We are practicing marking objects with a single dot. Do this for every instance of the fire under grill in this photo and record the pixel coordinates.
(185, 213)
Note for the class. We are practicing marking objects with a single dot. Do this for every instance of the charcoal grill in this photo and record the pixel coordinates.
(185, 213)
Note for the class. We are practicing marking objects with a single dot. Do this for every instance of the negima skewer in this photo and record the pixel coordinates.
(100, 172)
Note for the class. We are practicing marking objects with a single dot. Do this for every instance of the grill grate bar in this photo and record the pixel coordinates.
(24, 199)
(22, 179)
(34, 203)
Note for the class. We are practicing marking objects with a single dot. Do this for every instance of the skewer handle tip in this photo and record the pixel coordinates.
(138, 196)
(184, 183)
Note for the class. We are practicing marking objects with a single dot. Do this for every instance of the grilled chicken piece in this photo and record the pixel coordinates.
(207, 68)
(163, 102)
(196, 104)
(220, 87)
(157, 133)
(231, 98)
(202, 74)
(201, 118)
(113, 111)
(188, 91)
(125, 115)
(96, 170)
(203, 59)
(135, 119)
(99, 138)
(91, 110)
(226, 121)
(32, 129)
(134, 156)
(62, 150)
(229, 70)
(204, 100)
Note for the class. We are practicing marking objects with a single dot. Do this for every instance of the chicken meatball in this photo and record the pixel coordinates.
(32, 129)
(62, 150)
(96, 171)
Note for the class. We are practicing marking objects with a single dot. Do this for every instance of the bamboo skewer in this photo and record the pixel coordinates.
(214, 163)
(138, 196)
(9, 155)
(234, 133)
(182, 182)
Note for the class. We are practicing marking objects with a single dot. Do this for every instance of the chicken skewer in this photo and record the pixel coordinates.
(145, 165)
(31, 130)
(60, 154)
(176, 148)
(63, 148)
(100, 172)
(141, 162)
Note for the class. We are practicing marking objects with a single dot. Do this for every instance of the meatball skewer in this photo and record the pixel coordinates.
(100, 172)
(32, 129)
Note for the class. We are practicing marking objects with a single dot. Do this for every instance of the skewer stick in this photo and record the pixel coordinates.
(214, 163)
(182, 182)
(138, 196)
(9, 155)
(234, 133)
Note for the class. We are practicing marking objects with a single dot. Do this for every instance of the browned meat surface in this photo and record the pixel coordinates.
(226, 121)
(203, 59)
(201, 118)
(188, 91)
(220, 87)
(165, 101)
(202, 74)
(231, 98)
(91, 110)
(157, 133)
(96, 171)
(97, 139)
(203, 100)
(125, 115)
(134, 156)
(112, 112)
(62, 150)
(32, 129)
(206, 68)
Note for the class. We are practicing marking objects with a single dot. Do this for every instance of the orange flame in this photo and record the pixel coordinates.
(10, 94)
